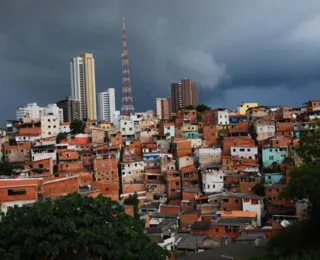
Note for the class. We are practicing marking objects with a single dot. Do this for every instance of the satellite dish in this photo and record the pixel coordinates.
(285, 223)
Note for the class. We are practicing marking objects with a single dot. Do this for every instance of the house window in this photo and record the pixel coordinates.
(236, 201)
(248, 149)
(254, 202)
(234, 150)
(40, 165)
(208, 186)
(17, 192)
(241, 149)
(217, 230)
(177, 183)
(271, 158)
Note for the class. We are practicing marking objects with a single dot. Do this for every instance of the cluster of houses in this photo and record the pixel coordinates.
(200, 183)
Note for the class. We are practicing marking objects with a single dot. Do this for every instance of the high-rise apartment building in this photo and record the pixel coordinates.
(71, 109)
(162, 108)
(106, 105)
(33, 111)
(83, 85)
(183, 94)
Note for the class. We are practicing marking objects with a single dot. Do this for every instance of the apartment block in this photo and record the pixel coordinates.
(183, 94)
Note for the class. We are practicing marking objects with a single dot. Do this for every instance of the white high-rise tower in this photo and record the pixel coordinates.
(83, 85)
(106, 105)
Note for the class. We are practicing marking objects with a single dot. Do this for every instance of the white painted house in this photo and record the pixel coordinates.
(249, 152)
(253, 203)
(212, 180)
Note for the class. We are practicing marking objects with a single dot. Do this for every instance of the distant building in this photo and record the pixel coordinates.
(162, 108)
(106, 105)
(83, 85)
(116, 119)
(183, 94)
(245, 106)
(70, 108)
(33, 111)
(49, 126)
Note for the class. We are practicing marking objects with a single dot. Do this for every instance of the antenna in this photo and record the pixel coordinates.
(127, 102)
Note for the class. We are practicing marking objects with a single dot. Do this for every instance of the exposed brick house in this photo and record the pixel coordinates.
(19, 192)
(59, 187)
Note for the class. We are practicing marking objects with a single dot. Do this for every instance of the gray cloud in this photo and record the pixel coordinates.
(232, 49)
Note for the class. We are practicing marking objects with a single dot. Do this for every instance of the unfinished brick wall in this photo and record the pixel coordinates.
(110, 190)
(26, 193)
(231, 203)
(56, 188)
(70, 166)
(188, 218)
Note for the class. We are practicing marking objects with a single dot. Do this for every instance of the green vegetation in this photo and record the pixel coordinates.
(202, 108)
(199, 108)
(60, 137)
(259, 189)
(5, 168)
(301, 240)
(75, 227)
(77, 127)
(134, 201)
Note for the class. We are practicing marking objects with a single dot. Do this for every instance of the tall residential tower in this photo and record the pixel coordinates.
(106, 105)
(162, 108)
(127, 102)
(183, 94)
(83, 85)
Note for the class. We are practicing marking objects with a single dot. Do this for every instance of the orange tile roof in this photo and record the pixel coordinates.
(65, 123)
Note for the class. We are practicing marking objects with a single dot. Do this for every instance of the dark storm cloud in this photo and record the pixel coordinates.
(234, 50)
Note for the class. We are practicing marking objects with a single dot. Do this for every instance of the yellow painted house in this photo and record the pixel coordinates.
(245, 106)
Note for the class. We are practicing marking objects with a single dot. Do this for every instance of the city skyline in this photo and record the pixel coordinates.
(236, 61)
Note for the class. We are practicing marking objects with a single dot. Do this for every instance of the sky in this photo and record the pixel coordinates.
(248, 50)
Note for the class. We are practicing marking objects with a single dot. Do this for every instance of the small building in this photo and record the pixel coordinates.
(255, 204)
(18, 192)
(212, 180)
(250, 152)
(270, 178)
(49, 126)
(210, 156)
(272, 155)
(245, 106)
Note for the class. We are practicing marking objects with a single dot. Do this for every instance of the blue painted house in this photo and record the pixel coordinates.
(272, 177)
(191, 134)
(273, 154)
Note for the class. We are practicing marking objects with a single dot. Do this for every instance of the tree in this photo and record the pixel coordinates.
(199, 116)
(74, 227)
(134, 201)
(77, 127)
(259, 189)
(309, 145)
(202, 108)
(304, 184)
(190, 107)
(5, 168)
(60, 137)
